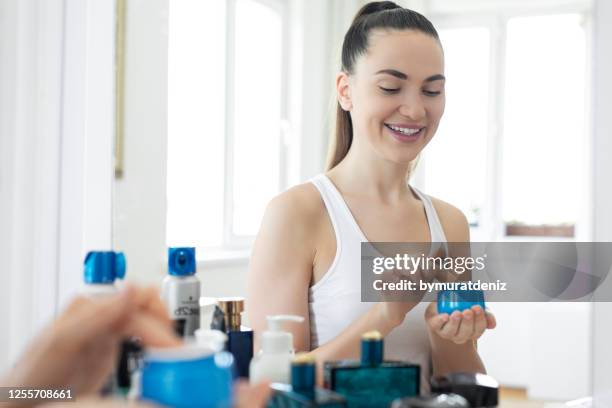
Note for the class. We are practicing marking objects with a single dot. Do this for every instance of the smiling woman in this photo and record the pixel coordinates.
(390, 93)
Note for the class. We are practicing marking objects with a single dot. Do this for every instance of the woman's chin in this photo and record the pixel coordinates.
(402, 156)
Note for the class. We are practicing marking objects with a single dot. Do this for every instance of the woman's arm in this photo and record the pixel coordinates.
(281, 271)
(454, 338)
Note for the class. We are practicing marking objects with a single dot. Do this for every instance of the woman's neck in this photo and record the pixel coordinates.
(363, 172)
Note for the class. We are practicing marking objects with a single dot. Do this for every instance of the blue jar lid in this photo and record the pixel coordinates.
(181, 261)
(104, 266)
(187, 377)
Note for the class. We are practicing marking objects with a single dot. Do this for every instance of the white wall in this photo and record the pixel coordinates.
(30, 72)
(140, 195)
(55, 116)
(602, 168)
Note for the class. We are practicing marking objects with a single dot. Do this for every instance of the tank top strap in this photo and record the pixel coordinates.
(435, 226)
(341, 217)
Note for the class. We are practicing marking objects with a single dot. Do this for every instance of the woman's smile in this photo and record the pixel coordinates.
(405, 133)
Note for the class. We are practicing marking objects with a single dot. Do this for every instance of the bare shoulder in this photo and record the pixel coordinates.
(453, 221)
(301, 203)
(295, 214)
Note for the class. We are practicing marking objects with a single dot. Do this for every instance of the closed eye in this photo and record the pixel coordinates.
(431, 93)
(389, 90)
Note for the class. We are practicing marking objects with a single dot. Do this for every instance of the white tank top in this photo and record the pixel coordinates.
(335, 300)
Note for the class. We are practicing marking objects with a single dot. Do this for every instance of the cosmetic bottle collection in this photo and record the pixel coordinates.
(201, 373)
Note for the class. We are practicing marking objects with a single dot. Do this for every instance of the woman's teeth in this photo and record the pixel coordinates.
(404, 131)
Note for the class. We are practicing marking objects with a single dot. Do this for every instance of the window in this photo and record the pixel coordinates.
(512, 140)
(455, 160)
(225, 93)
(544, 126)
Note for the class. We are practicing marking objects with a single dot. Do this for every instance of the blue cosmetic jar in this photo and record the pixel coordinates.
(460, 300)
(187, 377)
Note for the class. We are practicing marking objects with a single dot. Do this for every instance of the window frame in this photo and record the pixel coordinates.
(492, 226)
(230, 240)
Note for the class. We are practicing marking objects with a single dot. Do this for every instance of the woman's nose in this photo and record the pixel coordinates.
(413, 108)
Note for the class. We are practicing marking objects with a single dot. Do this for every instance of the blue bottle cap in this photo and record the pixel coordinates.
(372, 348)
(181, 261)
(104, 266)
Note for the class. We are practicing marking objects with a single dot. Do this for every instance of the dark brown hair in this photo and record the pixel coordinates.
(374, 15)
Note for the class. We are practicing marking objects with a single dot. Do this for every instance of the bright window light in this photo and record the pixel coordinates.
(257, 111)
(544, 119)
(196, 122)
(455, 160)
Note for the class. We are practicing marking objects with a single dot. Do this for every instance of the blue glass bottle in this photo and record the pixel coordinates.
(239, 337)
(303, 391)
(460, 300)
(372, 382)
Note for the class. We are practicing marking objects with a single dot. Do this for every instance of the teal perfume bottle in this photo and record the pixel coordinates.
(303, 391)
(372, 382)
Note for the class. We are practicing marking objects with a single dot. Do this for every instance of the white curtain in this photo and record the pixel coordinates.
(56, 105)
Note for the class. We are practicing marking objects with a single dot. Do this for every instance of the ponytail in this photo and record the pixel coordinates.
(376, 14)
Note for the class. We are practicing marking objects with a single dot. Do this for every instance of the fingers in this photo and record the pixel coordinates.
(460, 327)
(87, 319)
(449, 330)
(132, 312)
(480, 322)
(151, 330)
(437, 322)
(251, 395)
(149, 299)
(466, 327)
(490, 317)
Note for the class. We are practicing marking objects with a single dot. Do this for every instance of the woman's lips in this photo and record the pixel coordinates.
(402, 136)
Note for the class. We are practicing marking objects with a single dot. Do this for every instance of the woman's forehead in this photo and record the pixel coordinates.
(408, 51)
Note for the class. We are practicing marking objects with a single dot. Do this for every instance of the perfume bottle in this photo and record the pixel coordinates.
(239, 338)
(302, 392)
(480, 390)
(372, 382)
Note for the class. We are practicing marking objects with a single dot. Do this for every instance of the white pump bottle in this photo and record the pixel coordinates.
(273, 362)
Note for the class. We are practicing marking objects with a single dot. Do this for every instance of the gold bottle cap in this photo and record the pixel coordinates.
(231, 305)
(232, 308)
(373, 335)
(304, 358)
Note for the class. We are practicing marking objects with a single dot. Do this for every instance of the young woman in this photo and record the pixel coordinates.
(306, 259)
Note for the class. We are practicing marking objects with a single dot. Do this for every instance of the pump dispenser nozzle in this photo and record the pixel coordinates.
(275, 340)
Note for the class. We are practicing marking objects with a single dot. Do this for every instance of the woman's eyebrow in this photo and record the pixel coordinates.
(401, 75)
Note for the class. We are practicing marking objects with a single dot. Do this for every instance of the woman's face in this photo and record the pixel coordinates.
(396, 93)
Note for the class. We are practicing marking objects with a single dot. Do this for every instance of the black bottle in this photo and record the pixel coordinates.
(480, 390)
(432, 401)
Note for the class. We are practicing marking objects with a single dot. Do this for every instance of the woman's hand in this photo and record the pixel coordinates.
(459, 327)
(79, 349)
